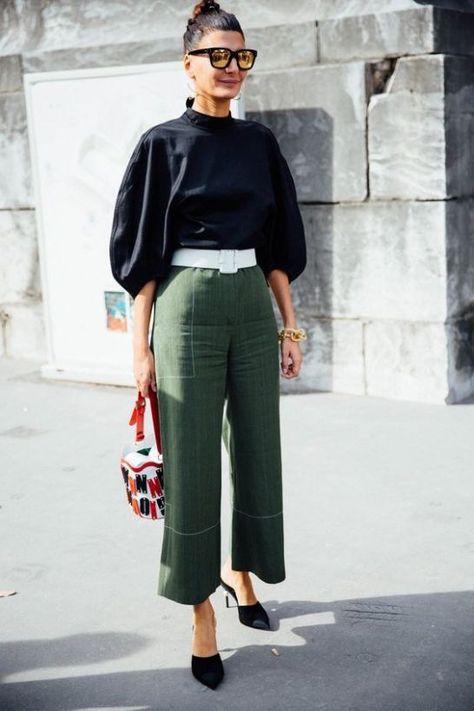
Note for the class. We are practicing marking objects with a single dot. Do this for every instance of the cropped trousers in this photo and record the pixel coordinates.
(217, 357)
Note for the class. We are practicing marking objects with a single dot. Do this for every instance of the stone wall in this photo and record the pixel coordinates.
(372, 103)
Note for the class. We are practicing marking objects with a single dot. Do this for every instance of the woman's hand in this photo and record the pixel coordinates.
(291, 358)
(143, 360)
(144, 370)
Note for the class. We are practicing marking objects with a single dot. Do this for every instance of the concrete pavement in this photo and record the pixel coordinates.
(376, 613)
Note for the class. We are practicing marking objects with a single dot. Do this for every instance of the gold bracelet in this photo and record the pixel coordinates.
(294, 334)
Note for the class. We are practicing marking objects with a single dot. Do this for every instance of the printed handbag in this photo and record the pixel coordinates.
(141, 463)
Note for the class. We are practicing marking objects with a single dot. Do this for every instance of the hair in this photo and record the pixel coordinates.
(207, 17)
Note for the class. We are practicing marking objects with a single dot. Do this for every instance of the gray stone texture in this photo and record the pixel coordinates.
(459, 125)
(333, 357)
(406, 360)
(394, 34)
(41, 26)
(19, 267)
(279, 48)
(458, 5)
(459, 222)
(325, 9)
(70, 24)
(11, 77)
(420, 130)
(406, 132)
(378, 35)
(15, 173)
(168, 49)
(21, 309)
(319, 116)
(387, 299)
(460, 359)
(24, 330)
(459, 218)
(375, 258)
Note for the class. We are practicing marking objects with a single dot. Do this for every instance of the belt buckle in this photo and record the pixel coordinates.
(227, 259)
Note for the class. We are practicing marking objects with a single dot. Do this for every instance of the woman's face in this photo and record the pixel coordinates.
(218, 84)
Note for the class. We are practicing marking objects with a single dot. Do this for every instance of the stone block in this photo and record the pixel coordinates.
(333, 357)
(167, 49)
(24, 331)
(319, 117)
(459, 125)
(458, 5)
(378, 261)
(279, 49)
(277, 12)
(67, 24)
(11, 74)
(402, 273)
(421, 130)
(453, 31)
(392, 34)
(406, 137)
(306, 290)
(70, 24)
(15, 176)
(460, 354)
(384, 34)
(19, 266)
(406, 360)
(325, 9)
(424, 362)
(459, 221)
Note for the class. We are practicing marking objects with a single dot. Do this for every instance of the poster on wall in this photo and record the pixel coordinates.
(83, 126)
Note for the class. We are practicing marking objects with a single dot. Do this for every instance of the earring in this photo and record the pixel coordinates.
(190, 99)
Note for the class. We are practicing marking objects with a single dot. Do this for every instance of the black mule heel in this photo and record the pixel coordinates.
(208, 670)
(251, 615)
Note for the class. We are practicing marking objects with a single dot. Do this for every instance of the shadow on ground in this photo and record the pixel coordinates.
(381, 654)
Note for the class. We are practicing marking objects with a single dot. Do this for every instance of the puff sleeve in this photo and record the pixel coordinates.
(285, 248)
(136, 247)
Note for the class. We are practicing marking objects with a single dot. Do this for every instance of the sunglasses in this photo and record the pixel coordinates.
(221, 57)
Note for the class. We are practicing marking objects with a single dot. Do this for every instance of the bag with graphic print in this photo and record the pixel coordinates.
(141, 463)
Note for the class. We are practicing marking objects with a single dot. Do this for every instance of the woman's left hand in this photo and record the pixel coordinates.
(291, 358)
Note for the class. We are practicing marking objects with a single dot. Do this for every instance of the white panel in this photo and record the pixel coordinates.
(83, 126)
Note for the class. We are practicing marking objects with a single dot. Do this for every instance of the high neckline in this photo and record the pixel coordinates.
(208, 121)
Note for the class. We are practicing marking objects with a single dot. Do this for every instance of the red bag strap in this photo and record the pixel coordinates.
(138, 417)
(155, 415)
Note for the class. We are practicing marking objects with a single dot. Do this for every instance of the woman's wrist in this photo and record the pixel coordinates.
(288, 318)
(294, 334)
(140, 347)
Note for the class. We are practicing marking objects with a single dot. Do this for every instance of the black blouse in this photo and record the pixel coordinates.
(214, 182)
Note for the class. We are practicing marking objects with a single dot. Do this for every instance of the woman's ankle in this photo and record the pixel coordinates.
(203, 612)
(204, 641)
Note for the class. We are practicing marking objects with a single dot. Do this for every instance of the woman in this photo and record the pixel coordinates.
(206, 220)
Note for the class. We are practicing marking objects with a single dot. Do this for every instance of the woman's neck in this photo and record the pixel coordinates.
(219, 109)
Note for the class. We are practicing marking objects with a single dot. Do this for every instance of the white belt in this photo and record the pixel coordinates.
(226, 260)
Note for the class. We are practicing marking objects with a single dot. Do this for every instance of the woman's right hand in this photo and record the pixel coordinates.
(144, 370)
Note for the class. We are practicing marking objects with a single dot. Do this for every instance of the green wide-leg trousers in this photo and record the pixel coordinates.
(217, 361)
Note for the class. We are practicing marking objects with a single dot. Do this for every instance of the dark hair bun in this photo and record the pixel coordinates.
(205, 6)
